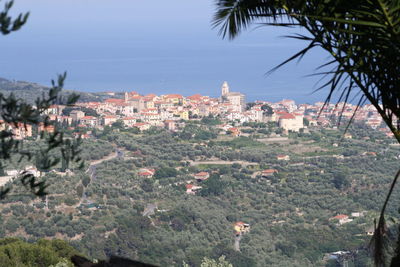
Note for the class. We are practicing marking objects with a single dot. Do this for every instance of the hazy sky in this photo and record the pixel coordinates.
(151, 46)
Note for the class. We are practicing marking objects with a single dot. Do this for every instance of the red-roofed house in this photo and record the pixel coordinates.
(191, 189)
(201, 176)
(146, 173)
(291, 122)
(268, 172)
(195, 98)
(174, 98)
(342, 218)
(114, 101)
(234, 131)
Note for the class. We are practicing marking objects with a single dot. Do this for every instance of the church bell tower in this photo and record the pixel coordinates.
(225, 89)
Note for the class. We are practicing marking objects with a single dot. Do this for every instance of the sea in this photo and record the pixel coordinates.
(160, 53)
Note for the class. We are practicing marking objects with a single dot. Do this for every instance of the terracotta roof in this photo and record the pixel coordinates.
(195, 97)
(287, 116)
(114, 100)
(174, 96)
(88, 118)
(341, 216)
(189, 186)
(269, 171)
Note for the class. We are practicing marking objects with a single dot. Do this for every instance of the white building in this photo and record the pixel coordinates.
(291, 122)
(236, 99)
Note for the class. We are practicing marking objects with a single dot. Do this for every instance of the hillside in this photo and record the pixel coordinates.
(112, 209)
(30, 91)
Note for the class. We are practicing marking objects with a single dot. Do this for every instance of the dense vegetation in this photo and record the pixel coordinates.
(109, 209)
(44, 253)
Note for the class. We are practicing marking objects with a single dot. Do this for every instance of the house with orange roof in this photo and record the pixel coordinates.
(234, 131)
(146, 173)
(174, 98)
(114, 101)
(268, 172)
(195, 98)
(291, 122)
(201, 176)
(342, 219)
(191, 189)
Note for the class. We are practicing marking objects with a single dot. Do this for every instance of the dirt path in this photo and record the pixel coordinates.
(236, 245)
(119, 152)
(110, 156)
(222, 162)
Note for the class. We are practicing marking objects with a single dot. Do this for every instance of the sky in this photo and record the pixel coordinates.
(152, 47)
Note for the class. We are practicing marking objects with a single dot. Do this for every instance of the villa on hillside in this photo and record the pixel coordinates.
(342, 219)
(268, 172)
(234, 131)
(191, 189)
(201, 176)
(146, 173)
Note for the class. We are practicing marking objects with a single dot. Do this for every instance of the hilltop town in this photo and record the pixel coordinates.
(171, 111)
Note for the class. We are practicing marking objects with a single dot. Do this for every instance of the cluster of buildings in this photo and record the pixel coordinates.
(343, 218)
(172, 110)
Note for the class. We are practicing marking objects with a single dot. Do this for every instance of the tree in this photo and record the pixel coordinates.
(119, 124)
(340, 180)
(14, 252)
(213, 186)
(267, 110)
(7, 23)
(17, 113)
(362, 38)
(221, 262)
(165, 173)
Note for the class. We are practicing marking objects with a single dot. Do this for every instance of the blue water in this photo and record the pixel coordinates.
(131, 46)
